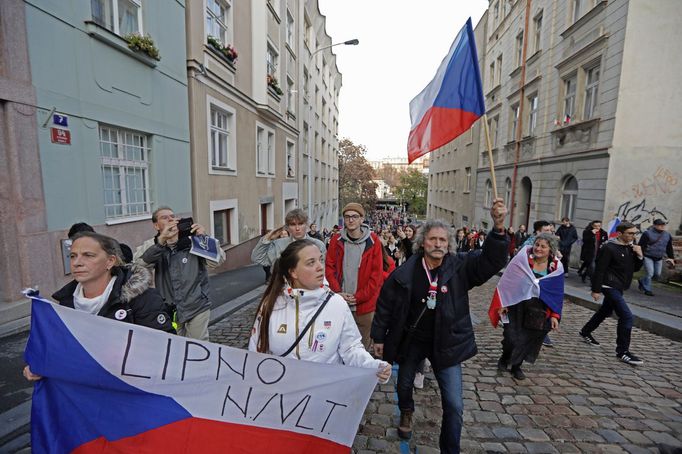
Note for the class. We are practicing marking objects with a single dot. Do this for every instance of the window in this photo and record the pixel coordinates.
(492, 75)
(306, 85)
(519, 49)
(467, 186)
(271, 57)
(265, 151)
(307, 37)
(222, 226)
(488, 196)
(515, 120)
(507, 192)
(125, 172)
(291, 30)
(569, 197)
(496, 10)
(291, 96)
(576, 10)
(221, 146)
(291, 159)
(493, 124)
(324, 111)
(533, 114)
(569, 98)
(537, 26)
(218, 16)
(499, 69)
(591, 92)
(122, 17)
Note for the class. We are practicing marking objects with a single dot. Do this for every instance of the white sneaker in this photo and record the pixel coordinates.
(419, 380)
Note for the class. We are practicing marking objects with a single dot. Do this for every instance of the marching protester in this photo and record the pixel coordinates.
(656, 244)
(104, 286)
(528, 300)
(567, 236)
(314, 233)
(594, 237)
(461, 242)
(616, 262)
(406, 234)
(521, 236)
(180, 276)
(298, 317)
(126, 252)
(354, 267)
(423, 312)
(270, 246)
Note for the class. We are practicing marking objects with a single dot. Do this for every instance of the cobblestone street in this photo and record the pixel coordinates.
(577, 398)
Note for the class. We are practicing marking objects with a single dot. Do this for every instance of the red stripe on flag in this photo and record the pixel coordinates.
(495, 305)
(209, 436)
(438, 126)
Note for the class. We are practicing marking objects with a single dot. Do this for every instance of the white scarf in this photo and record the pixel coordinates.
(91, 305)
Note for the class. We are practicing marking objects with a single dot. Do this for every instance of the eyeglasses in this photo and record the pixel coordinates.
(352, 217)
(630, 233)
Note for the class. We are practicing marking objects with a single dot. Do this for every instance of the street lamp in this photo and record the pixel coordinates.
(350, 42)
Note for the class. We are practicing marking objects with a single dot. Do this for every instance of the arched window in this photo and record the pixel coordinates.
(488, 200)
(569, 197)
(507, 193)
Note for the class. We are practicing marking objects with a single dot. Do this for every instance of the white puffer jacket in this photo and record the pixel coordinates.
(333, 338)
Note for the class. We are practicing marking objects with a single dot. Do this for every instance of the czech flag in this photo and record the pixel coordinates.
(518, 283)
(611, 229)
(110, 386)
(451, 102)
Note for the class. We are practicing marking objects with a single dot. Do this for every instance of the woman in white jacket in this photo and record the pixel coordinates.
(293, 296)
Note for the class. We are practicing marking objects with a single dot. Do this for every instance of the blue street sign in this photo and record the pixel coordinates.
(61, 120)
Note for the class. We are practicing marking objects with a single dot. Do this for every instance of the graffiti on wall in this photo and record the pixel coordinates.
(639, 213)
(662, 181)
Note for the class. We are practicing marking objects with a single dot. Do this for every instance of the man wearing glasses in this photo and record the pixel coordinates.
(617, 260)
(354, 267)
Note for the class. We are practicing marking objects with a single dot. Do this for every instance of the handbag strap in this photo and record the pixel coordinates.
(310, 322)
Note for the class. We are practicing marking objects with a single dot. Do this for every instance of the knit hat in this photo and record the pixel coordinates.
(656, 222)
(354, 207)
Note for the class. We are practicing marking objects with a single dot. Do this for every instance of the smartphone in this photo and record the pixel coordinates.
(185, 227)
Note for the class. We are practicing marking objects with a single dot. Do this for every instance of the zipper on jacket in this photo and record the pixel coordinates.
(298, 353)
(310, 336)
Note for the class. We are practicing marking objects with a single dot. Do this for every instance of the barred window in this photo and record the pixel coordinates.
(125, 172)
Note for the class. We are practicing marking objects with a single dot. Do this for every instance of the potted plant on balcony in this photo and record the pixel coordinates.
(143, 44)
(274, 85)
(227, 51)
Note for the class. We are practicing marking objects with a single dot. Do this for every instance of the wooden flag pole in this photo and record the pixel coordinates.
(490, 155)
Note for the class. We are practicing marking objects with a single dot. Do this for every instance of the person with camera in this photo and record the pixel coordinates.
(180, 276)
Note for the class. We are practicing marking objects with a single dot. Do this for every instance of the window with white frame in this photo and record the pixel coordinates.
(569, 197)
(221, 143)
(507, 192)
(496, 11)
(291, 30)
(222, 226)
(569, 98)
(467, 185)
(125, 172)
(291, 159)
(219, 20)
(271, 57)
(306, 85)
(499, 69)
(519, 49)
(265, 151)
(488, 196)
(291, 96)
(591, 91)
(493, 125)
(122, 17)
(492, 75)
(532, 114)
(575, 10)
(537, 27)
(515, 109)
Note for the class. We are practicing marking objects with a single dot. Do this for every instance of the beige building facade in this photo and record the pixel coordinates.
(249, 118)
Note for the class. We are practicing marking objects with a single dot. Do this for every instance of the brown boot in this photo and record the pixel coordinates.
(405, 428)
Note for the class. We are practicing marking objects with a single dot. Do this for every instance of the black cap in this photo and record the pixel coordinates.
(660, 221)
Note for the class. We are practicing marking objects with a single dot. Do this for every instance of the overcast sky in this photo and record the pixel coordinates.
(401, 45)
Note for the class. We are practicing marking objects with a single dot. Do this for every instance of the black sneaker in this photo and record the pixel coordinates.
(517, 373)
(502, 365)
(648, 293)
(547, 342)
(588, 339)
(629, 358)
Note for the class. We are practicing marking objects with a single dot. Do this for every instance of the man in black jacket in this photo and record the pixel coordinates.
(616, 262)
(423, 312)
(594, 238)
(567, 236)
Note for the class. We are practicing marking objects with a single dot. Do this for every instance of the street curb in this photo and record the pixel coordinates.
(232, 306)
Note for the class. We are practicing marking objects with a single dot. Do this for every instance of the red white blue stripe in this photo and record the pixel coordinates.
(611, 228)
(451, 102)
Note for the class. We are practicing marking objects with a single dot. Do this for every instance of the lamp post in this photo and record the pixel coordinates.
(351, 42)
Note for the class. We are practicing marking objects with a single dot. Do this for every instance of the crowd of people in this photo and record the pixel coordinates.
(383, 283)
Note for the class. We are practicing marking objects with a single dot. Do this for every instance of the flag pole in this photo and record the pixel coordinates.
(490, 155)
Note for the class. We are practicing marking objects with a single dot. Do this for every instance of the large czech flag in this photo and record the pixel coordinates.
(451, 102)
(110, 386)
(518, 283)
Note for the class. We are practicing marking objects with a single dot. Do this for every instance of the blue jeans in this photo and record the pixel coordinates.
(653, 268)
(450, 384)
(613, 302)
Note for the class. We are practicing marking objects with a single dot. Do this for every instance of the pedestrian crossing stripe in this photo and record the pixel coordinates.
(282, 329)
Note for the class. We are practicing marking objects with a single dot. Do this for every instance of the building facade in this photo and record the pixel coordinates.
(578, 129)
(254, 88)
(110, 126)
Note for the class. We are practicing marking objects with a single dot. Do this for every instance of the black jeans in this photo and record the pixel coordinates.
(613, 302)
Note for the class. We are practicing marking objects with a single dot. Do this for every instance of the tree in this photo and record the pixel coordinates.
(355, 176)
(412, 189)
(390, 175)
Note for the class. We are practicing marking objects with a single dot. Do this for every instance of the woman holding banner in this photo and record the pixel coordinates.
(528, 301)
(103, 286)
(300, 318)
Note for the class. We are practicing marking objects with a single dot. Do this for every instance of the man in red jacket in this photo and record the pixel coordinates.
(354, 267)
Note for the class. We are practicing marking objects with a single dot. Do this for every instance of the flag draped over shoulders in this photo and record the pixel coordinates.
(518, 283)
(451, 102)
